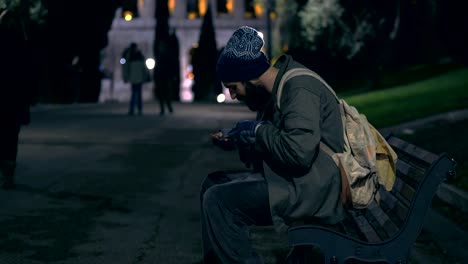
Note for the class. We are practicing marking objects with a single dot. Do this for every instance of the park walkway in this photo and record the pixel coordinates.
(98, 186)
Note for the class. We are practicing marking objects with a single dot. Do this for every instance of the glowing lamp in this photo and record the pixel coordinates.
(128, 15)
(150, 63)
(221, 98)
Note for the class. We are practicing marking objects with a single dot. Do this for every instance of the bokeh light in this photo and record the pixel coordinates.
(150, 63)
(186, 96)
(128, 16)
(221, 98)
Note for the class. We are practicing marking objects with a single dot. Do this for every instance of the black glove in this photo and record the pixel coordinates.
(244, 131)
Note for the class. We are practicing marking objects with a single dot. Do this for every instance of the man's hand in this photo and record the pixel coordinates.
(222, 140)
(244, 131)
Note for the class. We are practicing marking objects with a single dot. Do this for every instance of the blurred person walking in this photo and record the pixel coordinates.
(165, 77)
(15, 98)
(136, 73)
(16, 80)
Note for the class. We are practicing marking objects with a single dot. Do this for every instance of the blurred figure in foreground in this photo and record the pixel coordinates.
(14, 103)
(17, 79)
(136, 73)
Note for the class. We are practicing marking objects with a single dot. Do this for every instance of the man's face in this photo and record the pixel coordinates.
(236, 90)
(255, 96)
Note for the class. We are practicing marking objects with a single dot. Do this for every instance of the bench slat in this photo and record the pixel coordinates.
(364, 227)
(410, 174)
(403, 191)
(395, 209)
(396, 192)
(379, 230)
(348, 227)
(382, 219)
(412, 150)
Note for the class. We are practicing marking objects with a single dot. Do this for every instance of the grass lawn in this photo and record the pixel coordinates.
(402, 103)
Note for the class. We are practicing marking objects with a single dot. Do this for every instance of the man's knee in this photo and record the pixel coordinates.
(212, 179)
(213, 199)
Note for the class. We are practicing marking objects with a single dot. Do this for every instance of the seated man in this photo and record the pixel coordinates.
(292, 178)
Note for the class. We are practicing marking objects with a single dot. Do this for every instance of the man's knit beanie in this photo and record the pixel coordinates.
(242, 59)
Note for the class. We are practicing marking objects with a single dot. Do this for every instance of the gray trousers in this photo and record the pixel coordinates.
(231, 201)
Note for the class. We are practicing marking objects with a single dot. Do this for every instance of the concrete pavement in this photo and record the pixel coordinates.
(98, 186)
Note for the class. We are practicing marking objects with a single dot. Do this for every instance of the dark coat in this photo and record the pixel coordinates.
(134, 70)
(303, 181)
(16, 79)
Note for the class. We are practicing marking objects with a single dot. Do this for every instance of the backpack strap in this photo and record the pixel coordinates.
(303, 71)
(345, 188)
(296, 72)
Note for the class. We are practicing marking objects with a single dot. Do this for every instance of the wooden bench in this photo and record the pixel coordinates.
(386, 230)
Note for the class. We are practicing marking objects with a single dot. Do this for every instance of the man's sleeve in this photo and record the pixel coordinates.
(294, 145)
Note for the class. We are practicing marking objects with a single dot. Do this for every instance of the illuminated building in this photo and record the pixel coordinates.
(186, 18)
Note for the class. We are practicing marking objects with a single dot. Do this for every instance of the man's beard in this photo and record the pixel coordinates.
(256, 96)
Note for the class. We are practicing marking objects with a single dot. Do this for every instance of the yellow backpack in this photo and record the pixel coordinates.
(367, 160)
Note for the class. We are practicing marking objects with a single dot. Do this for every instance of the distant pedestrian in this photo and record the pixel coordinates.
(165, 78)
(136, 73)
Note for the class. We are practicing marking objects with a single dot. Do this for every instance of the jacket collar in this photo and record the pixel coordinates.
(282, 64)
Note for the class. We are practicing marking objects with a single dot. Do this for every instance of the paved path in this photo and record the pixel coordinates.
(98, 186)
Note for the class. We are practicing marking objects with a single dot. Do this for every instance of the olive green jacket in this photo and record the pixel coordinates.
(303, 182)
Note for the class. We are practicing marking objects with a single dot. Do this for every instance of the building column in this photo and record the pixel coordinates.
(180, 9)
(148, 9)
(239, 9)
